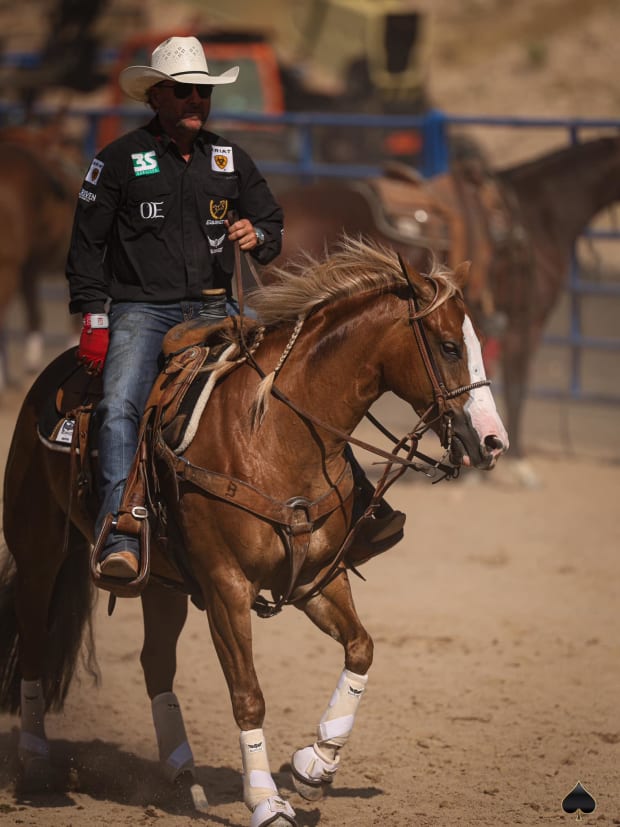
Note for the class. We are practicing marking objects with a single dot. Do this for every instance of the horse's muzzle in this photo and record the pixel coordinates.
(483, 456)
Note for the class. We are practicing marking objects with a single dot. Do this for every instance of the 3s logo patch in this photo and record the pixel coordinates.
(145, 163)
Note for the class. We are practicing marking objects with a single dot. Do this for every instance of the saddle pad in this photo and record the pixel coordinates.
(56, 423)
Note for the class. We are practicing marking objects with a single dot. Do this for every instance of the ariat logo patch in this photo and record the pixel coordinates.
(94, 171)
(145, 163)
(222, 159)
(257, 747)
(218, 209)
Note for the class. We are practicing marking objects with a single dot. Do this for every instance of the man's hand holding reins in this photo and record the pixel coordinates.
(244, 232)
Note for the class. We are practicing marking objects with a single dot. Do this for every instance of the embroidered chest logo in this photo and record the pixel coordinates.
(222, 159)
(151, 209)
(145, 163)
(218, 209)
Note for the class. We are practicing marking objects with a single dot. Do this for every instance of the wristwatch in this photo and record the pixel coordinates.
(260, 236)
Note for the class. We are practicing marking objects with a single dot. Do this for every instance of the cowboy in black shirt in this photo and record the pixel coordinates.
(150, 234)
(161, 220)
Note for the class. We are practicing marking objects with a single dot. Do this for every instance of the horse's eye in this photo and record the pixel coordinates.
(451, 349)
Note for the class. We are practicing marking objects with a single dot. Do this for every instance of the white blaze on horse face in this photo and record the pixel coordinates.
(480, 407)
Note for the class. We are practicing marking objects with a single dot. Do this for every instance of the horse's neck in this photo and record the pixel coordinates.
(560, 194)
(334, 373)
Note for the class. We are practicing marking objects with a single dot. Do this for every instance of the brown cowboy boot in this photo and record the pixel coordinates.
(121, 564)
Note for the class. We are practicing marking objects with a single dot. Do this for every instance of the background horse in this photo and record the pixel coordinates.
(39, 182)
(264, 473)
(518, 225)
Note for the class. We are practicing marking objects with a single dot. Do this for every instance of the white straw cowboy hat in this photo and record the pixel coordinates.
(180, 59)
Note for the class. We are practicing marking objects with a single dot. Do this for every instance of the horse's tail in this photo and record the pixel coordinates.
(70, 630)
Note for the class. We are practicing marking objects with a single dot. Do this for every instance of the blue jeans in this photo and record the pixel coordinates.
(132, 364)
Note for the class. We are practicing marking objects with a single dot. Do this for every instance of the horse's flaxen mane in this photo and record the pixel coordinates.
(356, 266)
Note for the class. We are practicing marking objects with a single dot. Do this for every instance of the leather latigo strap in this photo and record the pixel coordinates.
(295, 518)
(246, 496)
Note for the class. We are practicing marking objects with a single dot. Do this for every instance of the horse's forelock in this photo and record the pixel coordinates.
(356, 265)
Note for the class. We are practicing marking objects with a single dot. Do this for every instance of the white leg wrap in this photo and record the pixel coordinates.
(337, 722)
(32, 740)
(175, 752)
(318, 763)
(258, 786)
(269, 809)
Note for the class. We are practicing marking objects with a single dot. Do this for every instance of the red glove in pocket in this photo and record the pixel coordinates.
(94, 341)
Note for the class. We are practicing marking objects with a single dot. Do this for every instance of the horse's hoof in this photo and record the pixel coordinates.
(189, 788)
(311, 773)
(311, 792)
(519, 473)
(37, 776)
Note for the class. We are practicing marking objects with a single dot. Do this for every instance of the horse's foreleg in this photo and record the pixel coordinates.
(516, 359)
(333, 612)
(165, 612)
(228, 607)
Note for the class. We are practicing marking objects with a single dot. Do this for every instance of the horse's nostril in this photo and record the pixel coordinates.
(493, 443)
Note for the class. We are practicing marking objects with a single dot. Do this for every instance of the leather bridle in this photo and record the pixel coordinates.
(441, 394)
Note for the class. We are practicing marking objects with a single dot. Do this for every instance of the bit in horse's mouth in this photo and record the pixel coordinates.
(458, 453)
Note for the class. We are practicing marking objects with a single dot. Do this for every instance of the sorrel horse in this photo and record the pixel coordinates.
(522, 247)
(264, 472)
(38, 191)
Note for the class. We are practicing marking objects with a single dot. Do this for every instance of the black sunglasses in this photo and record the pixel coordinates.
(184, 90)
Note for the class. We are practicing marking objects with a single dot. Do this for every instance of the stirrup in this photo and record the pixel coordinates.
(122, 588)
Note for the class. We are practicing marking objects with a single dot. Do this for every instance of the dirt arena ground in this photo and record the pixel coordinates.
(494, 686)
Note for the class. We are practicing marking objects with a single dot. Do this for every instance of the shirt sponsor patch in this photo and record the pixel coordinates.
(145, 163)
(222, 159)
(218, 209)
(92, 176)
(86, 195)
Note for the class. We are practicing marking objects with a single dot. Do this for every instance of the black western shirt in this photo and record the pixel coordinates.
(149, 227)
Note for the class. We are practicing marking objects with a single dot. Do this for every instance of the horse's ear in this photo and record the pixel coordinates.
(461, 273)
(415, 281)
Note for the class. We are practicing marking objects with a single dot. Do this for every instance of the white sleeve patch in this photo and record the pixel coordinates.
(92, 176)
(222, 159)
